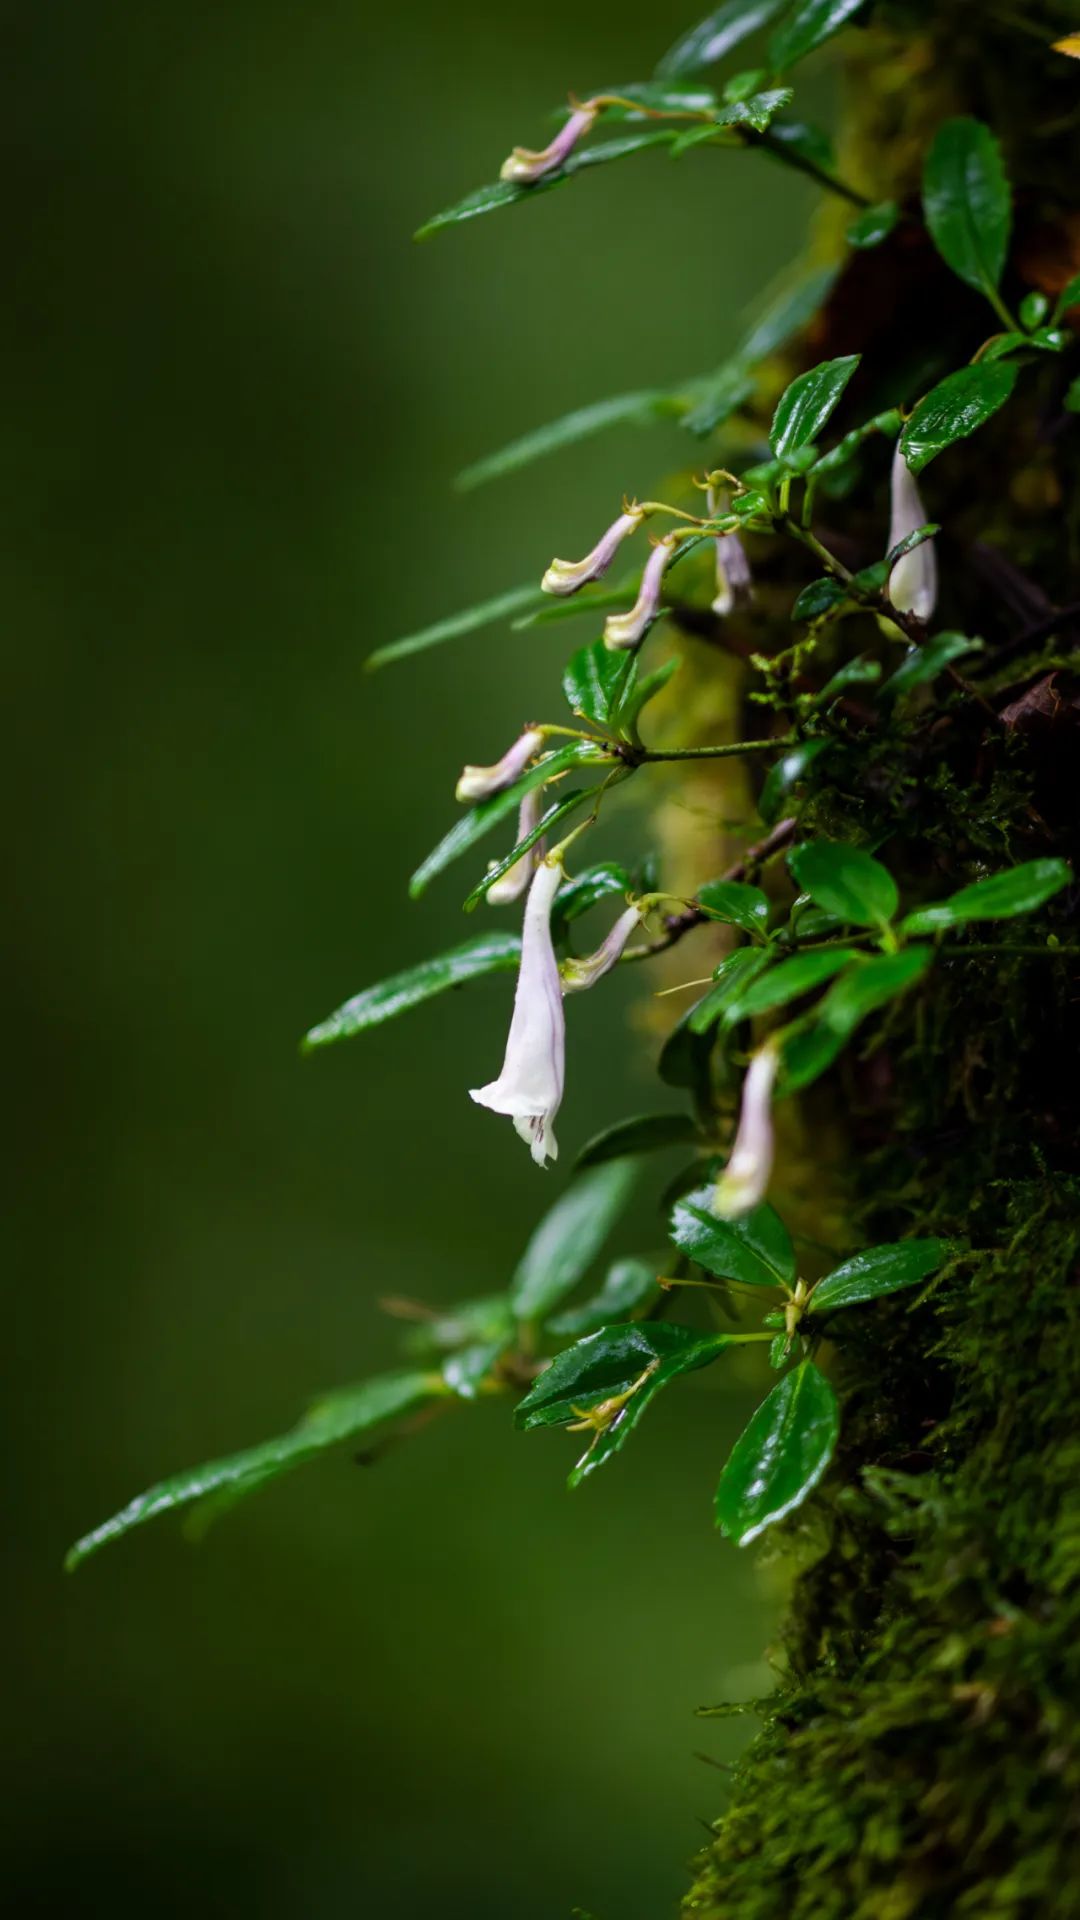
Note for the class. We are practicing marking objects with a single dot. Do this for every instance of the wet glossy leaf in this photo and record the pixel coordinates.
(468, 1323)
(869, 986)
(924, 663)
(791, 767)
(628, 1285)
(917, 538)
(756, 112)
(878, 1271)
(506, 193)
(732, 976)
(857, 673)
(807, 27)
(658, 95)
(503, 607)
(869, 229)
(487, 953)
(957, 406)
(597, 680)
(715, 36)
(643, 1133)
(780, 1457)
(967, 202)
(592, 600)
(789, 979)
(1068, 297)
(819, 598)
(639, 409)
(569, 1237)
(808, 404)
(583, 890)
(472, 826)
(845, 880)
(465, 1372)
(735, 903)
(632, 705)
(552, 817)
(714, 399)
(338, 1417)
(755, 1249)
(1001, 897)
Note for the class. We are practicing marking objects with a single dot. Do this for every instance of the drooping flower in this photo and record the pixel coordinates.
(629, 629)
(734, 581)
(579, 974)
(478, 783)
(569, 576)
(512, 884)
(913, 580)
(745, 1179)
(529, 1089)
(524, 166)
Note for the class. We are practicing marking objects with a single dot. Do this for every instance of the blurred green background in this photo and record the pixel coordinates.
(237, 396)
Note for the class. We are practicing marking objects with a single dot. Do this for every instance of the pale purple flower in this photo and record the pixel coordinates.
(512, 884)
(530, 1087)
(913, 580)
(629, 629)
(579, 974)
(525, 166)
(478, 783)
(734, 582)
(568, 576)
(745, 1179)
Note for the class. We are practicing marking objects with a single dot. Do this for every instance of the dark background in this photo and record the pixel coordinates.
(237, 395)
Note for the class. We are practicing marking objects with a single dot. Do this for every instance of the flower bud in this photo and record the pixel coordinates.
(913, 580)
(569, 576)
(629, 629)
(478, 783)
(734, 582)
(745, 1179)
(523, 166)
(512, 884)
(579, 974)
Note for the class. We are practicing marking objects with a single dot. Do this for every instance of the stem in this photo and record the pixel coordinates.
(800, 163)
(647, 754)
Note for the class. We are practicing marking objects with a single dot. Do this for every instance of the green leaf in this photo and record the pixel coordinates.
(715, 36)
(819, 598)
(485, 953)
(656, 95)
(591, 600)
(732, 976)
(924, 663)
(780, 1456)
(637, 1359)
(340, 1416)
(755, 1249)
(479, 820)
(757, 112)
(967, 202)
(1033, 309)
(569, 1237)
(735, 903)
(804, 141)
(1004, 895)
(505, 193)
(808, 403)
(845, 880)
(632, 705)
(1068, 297)
(684, 1056)
(956, 407)
(596, 680)
(551, 818)
(715, 398)
(791, 767)
(860, 672)
(466, 1371)
(787, 314)
(806, 1054)
(870, 985)
(807, 27)
(879, 1270)
(584, 890)
(869, 229)
(639, 409)
(644, 1133)
(789, 980)
(918, 537)
(501, 608)
(628, 1285)
(1072, 396)
(468, 1323)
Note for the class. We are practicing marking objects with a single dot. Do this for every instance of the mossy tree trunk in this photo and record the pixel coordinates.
(922, 1756)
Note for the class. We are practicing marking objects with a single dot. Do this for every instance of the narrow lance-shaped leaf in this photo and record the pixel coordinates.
(730, 978)
(506, 193)
(757, 113)
(486, 953)
(780, 1456)
(622, 409)
(954, 408)
(1020, 889)
(716, 35)
(569, 1237)
(642, 1133)
(808, 403)
(880, 1270)
(754, 1249)
(487, 614)
(967, 202)
(789, 980)
(808, 26)
(551, 818)
(925, 662)
(479, 820)
(338, 1417)
(628, 1286)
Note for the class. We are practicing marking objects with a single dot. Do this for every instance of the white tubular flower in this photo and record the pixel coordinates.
(529, 1089)
(579, 974)
(745, 1179)
(524, 166)
(913, 580)
(478, 783)
(514, 881)
(629, 629)
(569, 576)
(734, 582)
